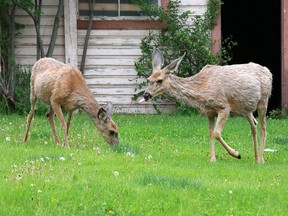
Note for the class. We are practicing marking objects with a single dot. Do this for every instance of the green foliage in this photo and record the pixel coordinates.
(178, 38)
(278, 114)
(161, 167)
(22, 94)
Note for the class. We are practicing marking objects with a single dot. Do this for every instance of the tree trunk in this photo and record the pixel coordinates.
(91, 8)
(59, 14)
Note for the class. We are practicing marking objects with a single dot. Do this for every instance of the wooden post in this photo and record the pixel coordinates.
(216, 35)
(70, 28)
(284, 52)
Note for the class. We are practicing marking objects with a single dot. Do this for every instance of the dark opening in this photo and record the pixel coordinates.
(256, 27)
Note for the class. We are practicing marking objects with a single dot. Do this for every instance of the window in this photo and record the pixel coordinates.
(112, 8)
(117, 14)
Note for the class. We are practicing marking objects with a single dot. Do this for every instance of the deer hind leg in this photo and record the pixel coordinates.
(262, 110)
(30, 116)
(211, 120)
(50, 116)
(222, 118)
(252, 121)
(57, 109)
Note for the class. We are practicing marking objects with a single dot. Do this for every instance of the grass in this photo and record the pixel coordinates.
(161, 167)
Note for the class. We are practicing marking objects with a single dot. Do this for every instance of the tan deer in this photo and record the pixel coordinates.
(62, 86)
(217, 91)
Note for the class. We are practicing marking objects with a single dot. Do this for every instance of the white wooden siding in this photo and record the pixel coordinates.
(26, 42)
(109, 68)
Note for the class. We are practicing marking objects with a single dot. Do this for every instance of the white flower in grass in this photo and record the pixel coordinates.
(8, 139)
(116, 173)
(230, 192)
(42, 159)
(19, 177)
(149, 157)
(62, 158)
(97, 149)
(39, 191)
(45, 142)
(129, 154)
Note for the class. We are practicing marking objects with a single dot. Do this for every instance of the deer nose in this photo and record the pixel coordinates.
(147, 96)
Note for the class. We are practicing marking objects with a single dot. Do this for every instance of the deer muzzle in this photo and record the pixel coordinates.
(147, 96)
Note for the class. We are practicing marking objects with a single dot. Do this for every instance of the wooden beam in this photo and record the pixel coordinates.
(70, 28)
(216, 35)
(284, 52)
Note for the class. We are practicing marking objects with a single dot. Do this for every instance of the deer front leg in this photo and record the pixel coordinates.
(57, 109)
(211, 121)
(50, 116)
(221, 120)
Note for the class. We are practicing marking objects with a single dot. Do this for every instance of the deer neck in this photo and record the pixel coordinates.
(183, 90)
(89, 105)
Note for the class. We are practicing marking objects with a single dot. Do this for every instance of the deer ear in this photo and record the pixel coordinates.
(109, 109)
(157, 59)
(173, 66)
(102, 115)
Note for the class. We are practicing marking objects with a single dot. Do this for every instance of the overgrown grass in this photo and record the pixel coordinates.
(161, 167)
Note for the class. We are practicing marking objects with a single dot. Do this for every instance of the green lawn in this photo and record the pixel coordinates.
(161, 167)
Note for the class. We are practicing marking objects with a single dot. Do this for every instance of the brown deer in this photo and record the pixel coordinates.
(62, 86)
(217, 91)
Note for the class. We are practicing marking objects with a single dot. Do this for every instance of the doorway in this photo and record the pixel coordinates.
(256, 27)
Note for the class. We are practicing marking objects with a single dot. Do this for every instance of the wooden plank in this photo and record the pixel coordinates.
(125, 80)
(45, 20)
(193, 3)
(95, 50)
(111, 71)
(112, 41)
(110, 62)
(44, 30)
(23, 40)
(129, 33)
(47, 11)
(122, 99)
(30, 60)
(284, 51)
(195, 10)
(31, 50)
(70, 21)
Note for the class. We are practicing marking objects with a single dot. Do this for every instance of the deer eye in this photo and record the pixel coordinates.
(159, 81)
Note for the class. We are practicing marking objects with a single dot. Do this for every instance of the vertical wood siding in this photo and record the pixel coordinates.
(25, 50)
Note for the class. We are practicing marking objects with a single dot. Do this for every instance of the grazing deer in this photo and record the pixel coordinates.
(217, 91)
(60, 85)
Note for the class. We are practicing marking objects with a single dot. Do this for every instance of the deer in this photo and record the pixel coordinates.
(60, 86)
(217, 91)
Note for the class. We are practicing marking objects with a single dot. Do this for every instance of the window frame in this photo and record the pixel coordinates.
(122, 22)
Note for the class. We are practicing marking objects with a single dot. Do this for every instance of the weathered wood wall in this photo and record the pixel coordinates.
(109, 69)
(26, 41)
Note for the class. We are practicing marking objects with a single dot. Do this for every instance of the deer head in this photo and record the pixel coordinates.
(158, 79)
(107, 127)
